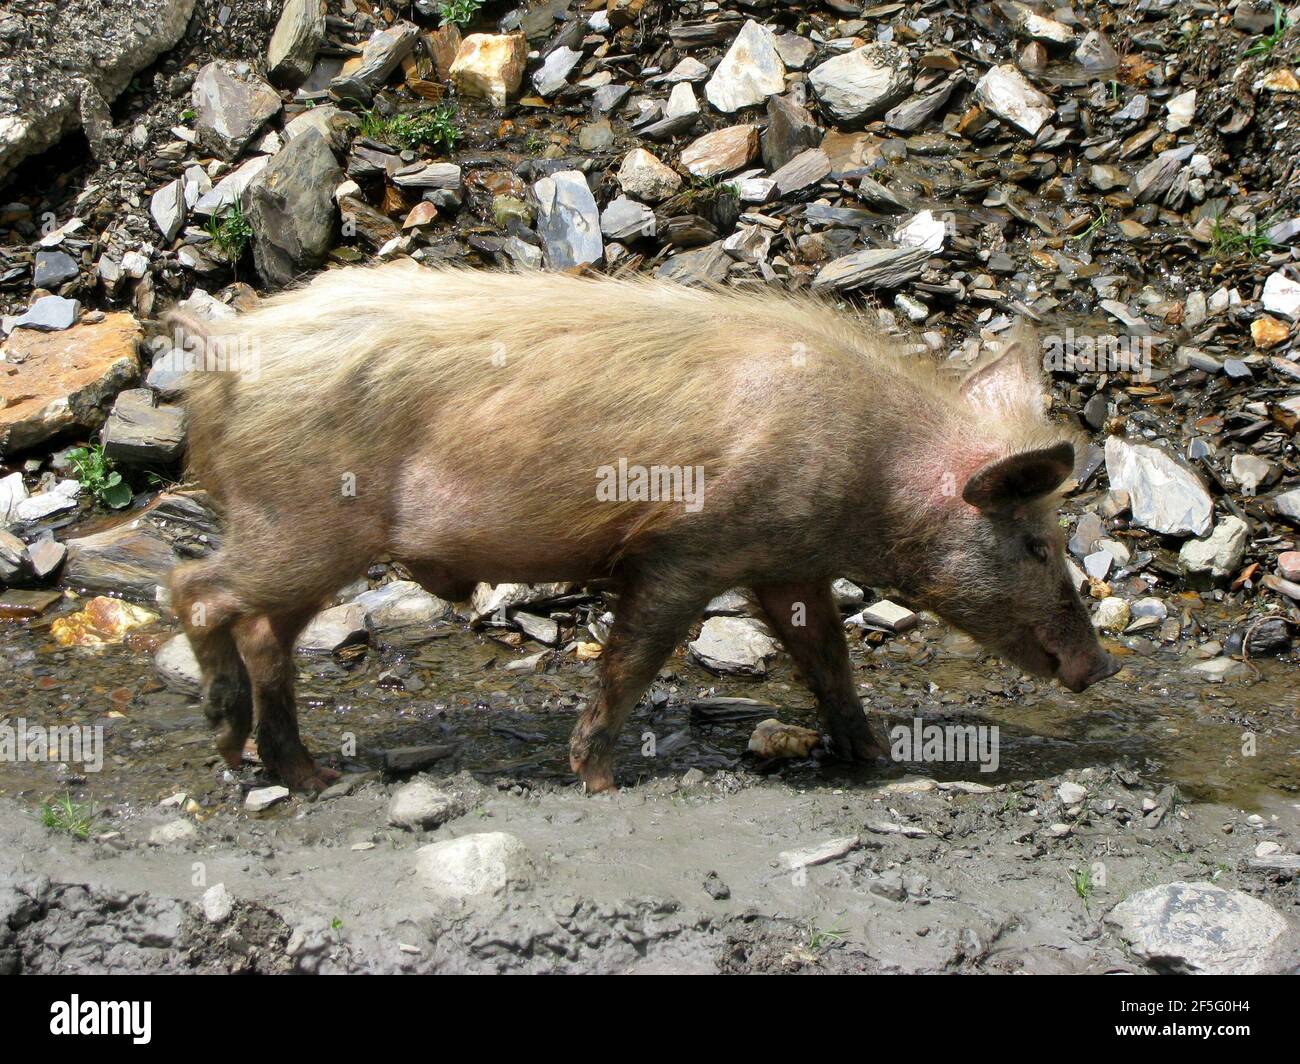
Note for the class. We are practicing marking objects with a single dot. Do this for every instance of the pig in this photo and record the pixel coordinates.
(467, 424)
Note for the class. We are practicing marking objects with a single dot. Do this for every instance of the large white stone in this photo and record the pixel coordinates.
(1007, 93)
(862, 83)
(1165, 495)
(1201, 929)
(473, 865)
(749, 73)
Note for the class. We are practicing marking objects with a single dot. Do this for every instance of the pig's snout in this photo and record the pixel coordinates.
(1082, 674)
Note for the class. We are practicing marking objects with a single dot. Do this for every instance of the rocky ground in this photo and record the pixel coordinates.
(1122, 175)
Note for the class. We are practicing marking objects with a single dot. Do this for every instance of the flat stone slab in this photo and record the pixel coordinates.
(55, 381)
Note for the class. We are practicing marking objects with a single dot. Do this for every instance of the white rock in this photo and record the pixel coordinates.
(264, 797)
(12, 492)
(167, 208)
(217, 904)
(334, 628)
(1071, 793)
(1282, 295)
(1007, 93)
(178, 830)
(177, 666)
(863, 83)
(1221, 670)
(401, 604)
(1220, 554)
(681, 101)
(420, 805)
(473, 865)
(885, 614)
(1182, 111)
(923, 230)
(810, 856)
(734, 644)
(1201, 929)
(644, 177)
(1112, 614)
(1165, 495)
(749, 73)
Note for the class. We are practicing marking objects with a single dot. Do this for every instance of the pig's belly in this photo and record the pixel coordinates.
(496, 533)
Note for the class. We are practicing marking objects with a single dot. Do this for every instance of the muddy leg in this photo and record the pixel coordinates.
(266, 643)
(207, 610)
(650, 620)
(822, 657)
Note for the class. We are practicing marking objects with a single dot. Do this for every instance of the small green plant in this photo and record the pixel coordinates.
(69, 817)
(703, 192)
(436, 127)
(1096, 224)
(336, 924)
(1083, 883)
(1252, 241)
(96, 474)
(1266, 44)
(188, 115)
(459, 12)
(820, 938)
(230, 232)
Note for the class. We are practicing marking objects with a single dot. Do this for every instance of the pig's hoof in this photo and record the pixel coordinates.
(859, 744)
(596, 778)
(233, 749)
(301, 774)
(309, 780)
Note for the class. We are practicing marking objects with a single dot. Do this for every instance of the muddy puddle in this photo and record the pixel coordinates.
(1236, 743)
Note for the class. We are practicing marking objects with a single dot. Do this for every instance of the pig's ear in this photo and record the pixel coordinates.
(1021, 478)
(1012, 382)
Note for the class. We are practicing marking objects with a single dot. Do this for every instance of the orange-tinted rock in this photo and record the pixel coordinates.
(1268, 332)
(103, 621)
(52, 382)
(490, 66)
(723, 151)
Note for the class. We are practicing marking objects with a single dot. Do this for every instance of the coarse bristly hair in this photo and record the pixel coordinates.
(455, 360)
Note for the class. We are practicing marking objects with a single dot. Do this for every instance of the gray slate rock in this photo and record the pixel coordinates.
(140, 433)
(567, 220)
(873, 268)
(290, 206)
(53, 268)
(50, 314)
(230, 107)
(297, 37)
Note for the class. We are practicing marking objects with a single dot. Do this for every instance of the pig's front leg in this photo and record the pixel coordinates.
(653, 615)
(808, 623)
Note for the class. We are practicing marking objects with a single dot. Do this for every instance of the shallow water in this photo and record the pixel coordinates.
(513, 727)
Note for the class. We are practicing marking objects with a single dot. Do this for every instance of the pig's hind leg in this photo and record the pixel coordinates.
(266, 642)
(653, 614)
(821, 655)
(208, 608)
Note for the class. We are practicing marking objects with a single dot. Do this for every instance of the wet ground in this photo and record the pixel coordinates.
(453, 690)
(948, 868)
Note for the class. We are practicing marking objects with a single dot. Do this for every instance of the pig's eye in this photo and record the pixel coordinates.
(1038, 549)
